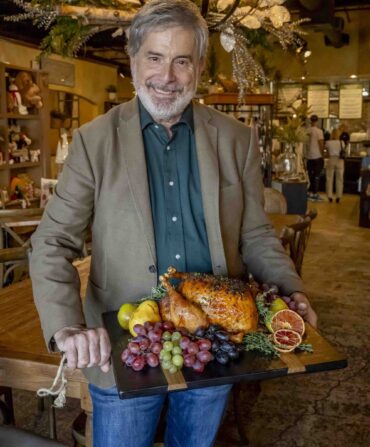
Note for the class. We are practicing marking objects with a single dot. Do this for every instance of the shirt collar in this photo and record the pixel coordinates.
(186, 118)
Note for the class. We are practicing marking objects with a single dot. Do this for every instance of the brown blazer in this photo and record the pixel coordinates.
(104, 182)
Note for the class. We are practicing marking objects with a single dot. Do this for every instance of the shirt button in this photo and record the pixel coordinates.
(156, 126)
(174, 219)
(168, 148)
(171, 183)
(152, 269)
(177, 256)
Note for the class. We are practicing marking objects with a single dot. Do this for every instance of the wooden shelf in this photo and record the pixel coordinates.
(26, 164)
(35, 125)
(16, 116)
(232, 99)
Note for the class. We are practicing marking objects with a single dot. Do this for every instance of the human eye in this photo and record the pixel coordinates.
(183, 62)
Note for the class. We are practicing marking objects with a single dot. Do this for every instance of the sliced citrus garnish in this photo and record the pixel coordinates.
(287, 319)
(287, 340)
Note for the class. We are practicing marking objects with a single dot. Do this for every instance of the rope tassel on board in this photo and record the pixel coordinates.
(59, 392)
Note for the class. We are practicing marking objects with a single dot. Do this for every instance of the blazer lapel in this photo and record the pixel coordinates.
(206, 144)
(132, 148)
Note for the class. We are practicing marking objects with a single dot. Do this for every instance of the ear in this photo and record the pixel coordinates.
(202, 65)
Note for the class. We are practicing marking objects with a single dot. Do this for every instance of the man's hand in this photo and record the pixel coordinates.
(84, 347)
(304, 308)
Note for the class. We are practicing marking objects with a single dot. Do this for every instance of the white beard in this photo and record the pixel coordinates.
(164, 110)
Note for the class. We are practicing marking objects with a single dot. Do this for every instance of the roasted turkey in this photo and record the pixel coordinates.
(202, 299)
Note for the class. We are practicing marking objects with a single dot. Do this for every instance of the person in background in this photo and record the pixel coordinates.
(162, 181)
(314, 156)
(335, 166)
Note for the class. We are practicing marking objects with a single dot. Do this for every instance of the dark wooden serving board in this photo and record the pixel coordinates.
(250, 366)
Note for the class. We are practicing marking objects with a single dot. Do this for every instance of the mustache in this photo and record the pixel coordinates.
(165, 87)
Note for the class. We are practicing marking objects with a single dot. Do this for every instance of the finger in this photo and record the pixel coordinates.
(70, 351)
(94, 348)
(82, 346)
(105, 347)
(105, 367)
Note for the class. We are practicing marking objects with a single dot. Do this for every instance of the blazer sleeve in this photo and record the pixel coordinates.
(59, 240)
(261, 249)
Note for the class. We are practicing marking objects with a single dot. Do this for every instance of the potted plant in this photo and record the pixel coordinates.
(112, 92)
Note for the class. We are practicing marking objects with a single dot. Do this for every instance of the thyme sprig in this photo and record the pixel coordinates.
(307, 347)
(258, 341)
(157, 294)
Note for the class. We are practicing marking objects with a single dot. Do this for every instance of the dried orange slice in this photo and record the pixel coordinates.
(287, 319)
(287, 340)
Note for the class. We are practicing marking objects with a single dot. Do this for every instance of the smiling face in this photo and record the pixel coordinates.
(165, 72)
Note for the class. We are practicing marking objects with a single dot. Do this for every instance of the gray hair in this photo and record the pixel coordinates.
(167, 14)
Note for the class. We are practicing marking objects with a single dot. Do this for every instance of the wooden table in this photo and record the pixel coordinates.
(24, 360)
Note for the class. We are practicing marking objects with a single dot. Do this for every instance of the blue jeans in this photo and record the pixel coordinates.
(192, 419)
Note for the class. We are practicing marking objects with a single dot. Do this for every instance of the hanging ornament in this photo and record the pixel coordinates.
(223, 4)
(278, 16)
(227, 39)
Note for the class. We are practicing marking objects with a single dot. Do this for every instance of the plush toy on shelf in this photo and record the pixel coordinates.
(29, 91)
(18, 145)
(15, 99)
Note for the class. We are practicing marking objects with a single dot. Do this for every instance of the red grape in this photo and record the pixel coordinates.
(139, 363)
(189, 360)
(168, 325)
(156, 347)
(204, 344)
(204, 356)
(193, 348)
(124, 355)
(292, 305)
(152, 360)
(287, 299)
(155, 335)
(133, 347)
(184, 342)
(144, 344)
(139, 329)
(198, 366)
(130, 359)
(158, 326)
(148, 325)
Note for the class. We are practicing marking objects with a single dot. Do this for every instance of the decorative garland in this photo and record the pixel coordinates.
(240, 24)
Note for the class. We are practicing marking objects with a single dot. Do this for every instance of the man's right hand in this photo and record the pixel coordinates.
(84, 347)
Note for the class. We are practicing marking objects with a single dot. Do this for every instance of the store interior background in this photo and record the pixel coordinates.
(326, 64)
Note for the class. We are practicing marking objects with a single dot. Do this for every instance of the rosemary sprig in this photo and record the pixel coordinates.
(307, 347)
(258, 341)
(157, 294)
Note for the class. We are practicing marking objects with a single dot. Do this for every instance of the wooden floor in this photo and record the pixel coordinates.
(317, 410)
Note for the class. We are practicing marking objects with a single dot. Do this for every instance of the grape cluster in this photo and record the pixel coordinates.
(161, 343)
(224, 350)
(271, 293)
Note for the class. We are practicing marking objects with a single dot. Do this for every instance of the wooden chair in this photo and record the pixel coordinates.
(275, 201)
(294, 237)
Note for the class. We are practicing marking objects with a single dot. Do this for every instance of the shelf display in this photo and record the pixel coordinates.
(256, 111)
(24, 125)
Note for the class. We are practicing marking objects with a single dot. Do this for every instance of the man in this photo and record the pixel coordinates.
(163, 182)
(315, 161)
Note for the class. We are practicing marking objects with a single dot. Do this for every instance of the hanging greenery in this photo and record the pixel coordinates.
(241, 24)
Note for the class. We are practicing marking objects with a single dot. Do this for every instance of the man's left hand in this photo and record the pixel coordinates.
(304, 308)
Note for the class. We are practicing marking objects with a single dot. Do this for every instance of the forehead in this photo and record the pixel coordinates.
(175, 41)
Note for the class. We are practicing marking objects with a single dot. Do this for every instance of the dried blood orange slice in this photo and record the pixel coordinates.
(287, 319)
(287, 340)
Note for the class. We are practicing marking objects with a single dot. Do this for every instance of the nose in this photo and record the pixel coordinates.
(168, 73)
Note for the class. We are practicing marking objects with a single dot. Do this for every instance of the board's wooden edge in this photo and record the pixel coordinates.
(176, 381)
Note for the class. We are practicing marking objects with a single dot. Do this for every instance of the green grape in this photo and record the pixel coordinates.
(166, 355)
(168, 345)
(173, 369)
(166, 336)
(161, 354)
(178, 360)
(176, 350)
(176, 336)
(166, 364)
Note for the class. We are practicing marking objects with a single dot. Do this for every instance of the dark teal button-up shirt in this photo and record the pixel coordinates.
(175, 194)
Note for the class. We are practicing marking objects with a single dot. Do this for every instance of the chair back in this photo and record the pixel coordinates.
(275, 201)
(295, 237)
